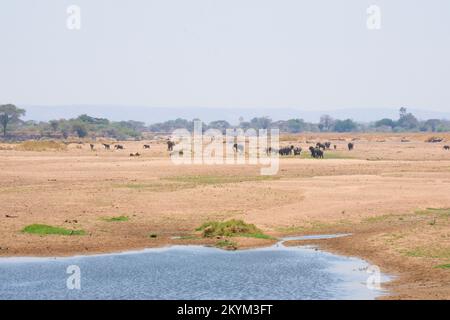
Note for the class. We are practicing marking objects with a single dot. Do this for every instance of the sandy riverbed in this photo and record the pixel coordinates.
(379, 192)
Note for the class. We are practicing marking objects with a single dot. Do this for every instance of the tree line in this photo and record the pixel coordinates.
(406, 122)
(83, 126)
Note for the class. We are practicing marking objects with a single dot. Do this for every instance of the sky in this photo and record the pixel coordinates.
(312, 55)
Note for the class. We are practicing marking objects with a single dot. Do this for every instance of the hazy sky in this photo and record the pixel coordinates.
(316, 54)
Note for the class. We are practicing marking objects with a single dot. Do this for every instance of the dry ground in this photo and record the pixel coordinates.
(379, 192)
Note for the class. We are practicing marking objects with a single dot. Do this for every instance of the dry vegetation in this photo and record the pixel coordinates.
(391, 195)
(41, 146)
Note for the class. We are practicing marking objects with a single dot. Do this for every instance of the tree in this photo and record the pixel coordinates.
(345, 125)
(91, 120)
(80, 129)
(261, 123)
(407, 120)
(54, 124)
(326, 123)
(386, 122)
(295, 125)
(133, 125)
(221, 125)
(65, 132)
(431, 125)
(403, 112)
(9, 113)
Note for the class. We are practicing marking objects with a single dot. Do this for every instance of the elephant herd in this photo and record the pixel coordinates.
(317, 151)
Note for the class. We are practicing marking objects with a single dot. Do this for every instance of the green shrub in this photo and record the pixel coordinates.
(43, 229)
(230, 228)
(117, 219)
(227, 244)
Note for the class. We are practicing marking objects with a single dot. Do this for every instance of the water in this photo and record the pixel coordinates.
(191, 272)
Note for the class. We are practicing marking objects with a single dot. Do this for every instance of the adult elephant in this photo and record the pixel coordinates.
(350, 146)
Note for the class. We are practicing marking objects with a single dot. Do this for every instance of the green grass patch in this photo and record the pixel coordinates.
(231, 228)
(156, 186)
(381, 218)
(430, 215)
(117, 219)
(391, 238)
(153, 235)
(441, 212)
(436, 253)
(170, 184)
(443, 266)
(43, 229)
(291, 229)
(217, 180)
(256, 235)
(314, 226)
(135, 185)
(320, 225)
(417, 253)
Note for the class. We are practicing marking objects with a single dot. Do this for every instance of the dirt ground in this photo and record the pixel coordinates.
(392, 193)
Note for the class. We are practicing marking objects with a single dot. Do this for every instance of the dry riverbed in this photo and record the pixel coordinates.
(393, 197)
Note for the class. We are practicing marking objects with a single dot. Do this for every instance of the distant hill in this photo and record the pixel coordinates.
(151, 115)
